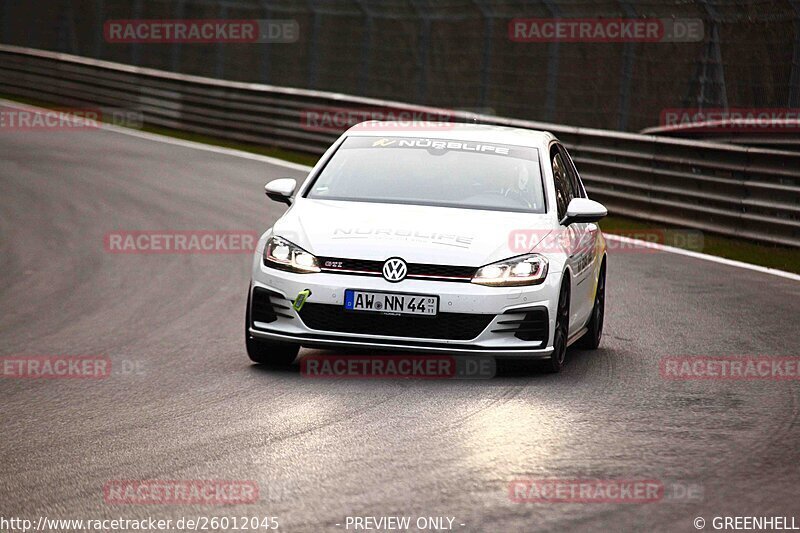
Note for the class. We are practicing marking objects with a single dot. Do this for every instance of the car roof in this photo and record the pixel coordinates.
(453, 131)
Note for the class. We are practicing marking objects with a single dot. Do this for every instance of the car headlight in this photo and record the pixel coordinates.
(284, 255)
(522, 270)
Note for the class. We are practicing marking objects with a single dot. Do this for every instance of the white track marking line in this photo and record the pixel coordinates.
(296, 166)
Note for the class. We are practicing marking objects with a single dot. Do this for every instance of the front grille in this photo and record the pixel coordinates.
(449, 326)
(267, 306)
(415, 270)
(534, 325)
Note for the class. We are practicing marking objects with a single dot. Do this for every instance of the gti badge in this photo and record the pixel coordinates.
(395, 269)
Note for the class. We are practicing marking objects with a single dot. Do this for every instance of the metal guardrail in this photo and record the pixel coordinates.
(778, 134)
(752, 193)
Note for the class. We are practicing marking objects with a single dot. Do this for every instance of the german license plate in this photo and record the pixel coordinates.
(385, 302)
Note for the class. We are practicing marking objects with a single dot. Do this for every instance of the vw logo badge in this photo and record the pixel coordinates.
(395, 269)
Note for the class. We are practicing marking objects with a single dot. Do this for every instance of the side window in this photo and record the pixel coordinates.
(561, 182)
(572, 173)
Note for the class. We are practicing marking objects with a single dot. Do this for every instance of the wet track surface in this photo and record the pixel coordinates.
(323, 449)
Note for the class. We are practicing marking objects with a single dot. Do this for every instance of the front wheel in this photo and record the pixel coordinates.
(266, 352)
(561, 333)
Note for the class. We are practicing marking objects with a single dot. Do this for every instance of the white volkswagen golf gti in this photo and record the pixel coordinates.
(450, 239)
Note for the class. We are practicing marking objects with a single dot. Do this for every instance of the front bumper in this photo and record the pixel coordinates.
(473, 319)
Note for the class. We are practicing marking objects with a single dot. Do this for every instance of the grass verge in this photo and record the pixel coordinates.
(782, 258)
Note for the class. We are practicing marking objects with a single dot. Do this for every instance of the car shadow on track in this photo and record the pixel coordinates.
(317, 364)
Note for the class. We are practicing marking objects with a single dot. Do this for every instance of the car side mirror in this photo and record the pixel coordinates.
(583, 210)
(281, 190)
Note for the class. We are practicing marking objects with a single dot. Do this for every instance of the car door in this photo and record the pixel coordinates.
(569, 236)
(585, 251)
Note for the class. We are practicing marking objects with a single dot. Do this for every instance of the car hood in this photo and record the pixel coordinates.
(418, 234)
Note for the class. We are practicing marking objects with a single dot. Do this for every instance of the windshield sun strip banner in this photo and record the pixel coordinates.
(440, 145)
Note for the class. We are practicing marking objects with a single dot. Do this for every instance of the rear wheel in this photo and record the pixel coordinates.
(591, 340)
(561, 332)
(266, 352)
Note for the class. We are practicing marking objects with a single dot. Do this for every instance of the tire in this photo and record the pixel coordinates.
(266, 352)
(591, 339)
(561, 332)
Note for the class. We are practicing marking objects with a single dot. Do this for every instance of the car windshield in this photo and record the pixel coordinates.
(438, 172)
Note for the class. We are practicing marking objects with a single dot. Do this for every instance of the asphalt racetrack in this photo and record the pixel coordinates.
(183, 402)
